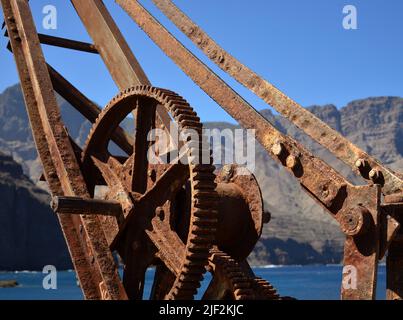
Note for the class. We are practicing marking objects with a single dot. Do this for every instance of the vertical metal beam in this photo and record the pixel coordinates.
(110, 43)
(98, 276)
(361, 252)
(114, 50)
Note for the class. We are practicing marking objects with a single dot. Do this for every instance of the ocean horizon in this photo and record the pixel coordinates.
(309, 282)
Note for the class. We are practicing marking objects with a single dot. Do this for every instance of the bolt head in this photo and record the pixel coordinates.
(360, 163)
(355, 221)
(227, 172)
(277, 149)
(374, 174)
(291, 162)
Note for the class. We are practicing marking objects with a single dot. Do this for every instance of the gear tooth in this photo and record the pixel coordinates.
(242, 285)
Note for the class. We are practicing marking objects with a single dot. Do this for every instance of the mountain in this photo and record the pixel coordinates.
(15, 131)
(30, 237)
(300, 232)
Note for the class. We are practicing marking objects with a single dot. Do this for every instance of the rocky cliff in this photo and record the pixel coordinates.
(30, 237)
(300, 231)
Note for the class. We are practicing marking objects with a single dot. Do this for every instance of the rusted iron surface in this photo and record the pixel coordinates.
(240, 211)
(301, 117)
(65, 167)
(361, 251)
(67, 43)
(76, 205)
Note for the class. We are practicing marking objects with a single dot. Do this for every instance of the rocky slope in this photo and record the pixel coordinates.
(300, 232)
(30, 237)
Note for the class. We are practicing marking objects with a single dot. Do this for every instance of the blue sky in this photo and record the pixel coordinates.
(300, 46)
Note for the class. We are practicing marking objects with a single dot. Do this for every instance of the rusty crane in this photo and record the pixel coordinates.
(185, 219)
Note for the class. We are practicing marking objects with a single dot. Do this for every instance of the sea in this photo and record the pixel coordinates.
(301, 282)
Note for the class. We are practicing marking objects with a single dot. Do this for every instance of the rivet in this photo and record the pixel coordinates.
(152, 174)
(360, 163)
(277, 149)
(291, 162)
(374, 174)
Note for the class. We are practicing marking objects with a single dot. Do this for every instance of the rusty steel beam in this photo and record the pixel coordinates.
(98, 278)
(114, 50)
(67, 43)
(71, 233)
(77, 205)
(86, 107)
(361, 251)
(301, 117)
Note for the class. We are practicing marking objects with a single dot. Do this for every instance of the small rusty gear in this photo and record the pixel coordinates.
(232, 282)
(143, 238)
(264, 290)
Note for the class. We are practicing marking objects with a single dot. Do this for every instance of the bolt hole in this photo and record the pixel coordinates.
(161, 214)
(153, 175)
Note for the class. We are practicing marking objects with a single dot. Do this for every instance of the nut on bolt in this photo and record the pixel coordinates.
(355, 221)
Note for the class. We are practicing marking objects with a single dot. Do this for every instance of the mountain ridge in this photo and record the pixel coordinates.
(300, 231)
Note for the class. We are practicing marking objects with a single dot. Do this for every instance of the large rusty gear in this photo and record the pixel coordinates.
(187, 260)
